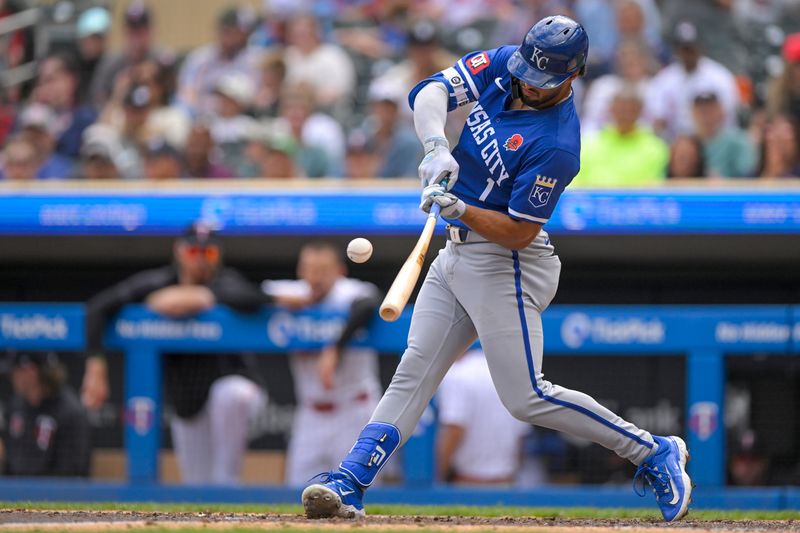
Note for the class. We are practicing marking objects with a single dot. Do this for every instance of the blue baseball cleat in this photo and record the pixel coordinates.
(665, 471)
(337, 496)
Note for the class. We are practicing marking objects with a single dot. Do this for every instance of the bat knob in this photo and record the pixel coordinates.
(389, 313)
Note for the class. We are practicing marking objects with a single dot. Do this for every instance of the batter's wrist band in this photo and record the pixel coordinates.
(432, 142)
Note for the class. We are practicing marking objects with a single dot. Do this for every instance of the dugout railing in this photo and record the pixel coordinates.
(704, 335)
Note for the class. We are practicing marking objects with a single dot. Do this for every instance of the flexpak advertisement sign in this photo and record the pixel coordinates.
(579, 330)
(42, 326)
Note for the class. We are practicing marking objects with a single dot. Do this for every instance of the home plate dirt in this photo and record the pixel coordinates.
(23, 520)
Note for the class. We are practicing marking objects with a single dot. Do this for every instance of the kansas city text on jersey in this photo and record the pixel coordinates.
(481, 127)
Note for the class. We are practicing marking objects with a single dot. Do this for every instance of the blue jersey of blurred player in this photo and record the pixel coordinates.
(519, 149)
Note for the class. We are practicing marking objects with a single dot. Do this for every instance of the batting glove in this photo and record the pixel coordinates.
(438, 163)
(450, 206)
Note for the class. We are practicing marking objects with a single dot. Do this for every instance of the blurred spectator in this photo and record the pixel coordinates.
(424, 57)
(137, 48)
(336, 388)
(16, 48)
(686, 158)
(516, 18)
(274, 155)
(132, 131)
(37, 123)
(633, 65)
(279, 159)
(478, 441)
(97, 158)
(162, 161)
(463, 13)
(231, 125)
(201, 155)
(230, 54)
(784, 91)
(672, 90)
(57, 87)
(270, 85)
(362, 161)
(609, 25)
(92, 32)
(640, 20)
(728, 150)
(47, 430)
(161, 120)
(19, 161)
(373, 34)
(102, 154)
(324, 66)
(164, 120)
(779, 152)
(392, 139)
(624, 153)
(214, 397)
(271, 28)
(749, 463)
(8, 115)
(320, 138)
(719, 38)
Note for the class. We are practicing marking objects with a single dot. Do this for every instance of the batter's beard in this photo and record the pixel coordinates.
(530, 102)
(541, 103)
(535, 103)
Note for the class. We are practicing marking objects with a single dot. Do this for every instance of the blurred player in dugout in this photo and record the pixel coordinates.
(478, 442)
(46, 430)
(338, 387)
(215, 397)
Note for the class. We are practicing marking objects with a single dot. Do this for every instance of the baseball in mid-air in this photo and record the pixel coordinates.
(359, 250)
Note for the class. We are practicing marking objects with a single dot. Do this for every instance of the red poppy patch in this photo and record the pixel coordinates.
(513, 142)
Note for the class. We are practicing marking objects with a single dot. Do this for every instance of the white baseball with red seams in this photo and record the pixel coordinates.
(359, 250)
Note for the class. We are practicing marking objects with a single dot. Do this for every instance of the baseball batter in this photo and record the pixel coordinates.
(519, 149)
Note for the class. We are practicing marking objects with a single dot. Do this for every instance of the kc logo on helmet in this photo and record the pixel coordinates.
(539, 59)
(542, 190)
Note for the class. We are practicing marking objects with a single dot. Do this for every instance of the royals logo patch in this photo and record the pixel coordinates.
(542, 190)
(513, 142)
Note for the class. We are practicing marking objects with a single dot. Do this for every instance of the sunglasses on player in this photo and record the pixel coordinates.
(195, 251)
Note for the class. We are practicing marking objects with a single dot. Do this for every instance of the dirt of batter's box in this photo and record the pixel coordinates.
(51, 519)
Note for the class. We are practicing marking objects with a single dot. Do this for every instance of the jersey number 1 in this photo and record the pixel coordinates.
(488, 190)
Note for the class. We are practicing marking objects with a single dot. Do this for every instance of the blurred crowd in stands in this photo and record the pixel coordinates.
(317, 88)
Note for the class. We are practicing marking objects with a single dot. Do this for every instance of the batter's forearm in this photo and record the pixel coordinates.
(500, 228)
(430, 111)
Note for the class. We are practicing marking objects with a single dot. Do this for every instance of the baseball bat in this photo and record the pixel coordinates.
(403, 285)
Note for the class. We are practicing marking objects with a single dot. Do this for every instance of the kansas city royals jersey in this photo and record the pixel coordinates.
(514, 161)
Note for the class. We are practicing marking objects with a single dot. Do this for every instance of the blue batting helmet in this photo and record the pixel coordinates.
(553, 50)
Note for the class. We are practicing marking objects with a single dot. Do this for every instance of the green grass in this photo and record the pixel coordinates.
(408, 510)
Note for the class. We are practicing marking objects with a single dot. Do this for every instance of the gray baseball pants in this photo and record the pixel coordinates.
(479, 289)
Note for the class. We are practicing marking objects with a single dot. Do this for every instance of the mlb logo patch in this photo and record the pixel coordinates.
(542, 190)
(513, 142)
(478, 63)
